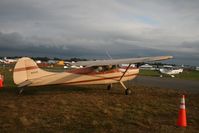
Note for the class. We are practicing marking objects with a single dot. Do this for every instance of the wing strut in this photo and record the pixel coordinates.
(125, 72)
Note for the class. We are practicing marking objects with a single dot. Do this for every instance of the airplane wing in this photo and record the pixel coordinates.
(120, 61)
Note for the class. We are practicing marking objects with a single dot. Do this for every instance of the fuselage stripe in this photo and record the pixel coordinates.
(76, 82)
(25, 68)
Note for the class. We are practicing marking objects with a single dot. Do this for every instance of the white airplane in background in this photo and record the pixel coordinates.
(2, 61)
(170, 70)
(8, 61)
(27, 73)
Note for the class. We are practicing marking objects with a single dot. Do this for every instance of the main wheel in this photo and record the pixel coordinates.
(109, 86)
(127, 91)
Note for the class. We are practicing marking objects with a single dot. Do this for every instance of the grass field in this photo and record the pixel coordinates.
(89, 109)
(189, 75)
(7, 72)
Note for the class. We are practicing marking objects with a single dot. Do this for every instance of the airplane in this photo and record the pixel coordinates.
(27, 73)
(2, 61)
(8, 61)
(170, 70)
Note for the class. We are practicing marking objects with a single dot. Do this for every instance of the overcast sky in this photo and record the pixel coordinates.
(87, 28)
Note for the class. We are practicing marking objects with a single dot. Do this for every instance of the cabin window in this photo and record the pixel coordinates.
(104, 68)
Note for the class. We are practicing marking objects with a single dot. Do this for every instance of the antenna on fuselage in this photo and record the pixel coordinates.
(107, 53)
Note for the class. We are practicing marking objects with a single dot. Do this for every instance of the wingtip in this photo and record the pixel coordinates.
(166, 57)
(170, 57)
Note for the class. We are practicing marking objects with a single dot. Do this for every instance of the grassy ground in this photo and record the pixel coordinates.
(7, 72)
(189, 75)
(192, 75)
(89, 109)
(153, 73)
(94, 109)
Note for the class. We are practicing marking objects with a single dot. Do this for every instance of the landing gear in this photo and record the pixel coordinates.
(127, 90)
(109, 86)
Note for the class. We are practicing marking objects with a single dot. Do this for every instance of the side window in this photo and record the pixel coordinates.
(104, 68)
(98, 68)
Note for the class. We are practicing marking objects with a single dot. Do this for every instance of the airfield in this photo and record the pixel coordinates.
(88, 109)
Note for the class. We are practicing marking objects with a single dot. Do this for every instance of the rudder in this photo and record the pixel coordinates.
(26, 69)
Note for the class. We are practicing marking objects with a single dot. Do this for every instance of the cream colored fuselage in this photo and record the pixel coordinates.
(27, 73)
(70, 78)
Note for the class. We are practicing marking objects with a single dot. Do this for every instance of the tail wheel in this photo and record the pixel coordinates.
(21, 91)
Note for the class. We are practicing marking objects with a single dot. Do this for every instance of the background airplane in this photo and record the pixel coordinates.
(170, 70)
(8, 61)
(2, 61)
(27, 73)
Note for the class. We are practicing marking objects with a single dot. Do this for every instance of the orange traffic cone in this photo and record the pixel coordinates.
(1, 81)
(182, 120)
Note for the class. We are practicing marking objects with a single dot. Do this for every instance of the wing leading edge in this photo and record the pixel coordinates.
(121, 61)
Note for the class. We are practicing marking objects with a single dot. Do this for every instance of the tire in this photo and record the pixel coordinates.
(127, 91)
(109, 86)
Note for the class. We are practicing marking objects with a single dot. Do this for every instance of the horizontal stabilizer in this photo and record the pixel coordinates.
(25, 83)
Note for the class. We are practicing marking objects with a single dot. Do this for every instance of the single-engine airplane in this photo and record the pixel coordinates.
(8, 61)
(170, 70)
(27, 73)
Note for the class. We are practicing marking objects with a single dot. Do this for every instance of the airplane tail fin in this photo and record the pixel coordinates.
(25, 70)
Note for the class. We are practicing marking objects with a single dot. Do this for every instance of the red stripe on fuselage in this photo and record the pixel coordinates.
(25, 68)
(83, 81)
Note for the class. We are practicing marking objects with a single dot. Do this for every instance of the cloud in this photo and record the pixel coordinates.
(86, 28)
(14, 44)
